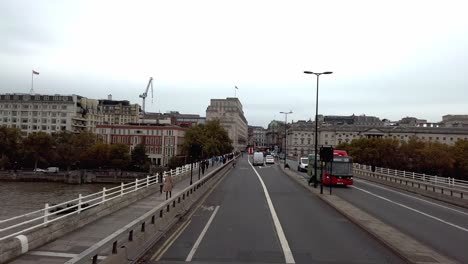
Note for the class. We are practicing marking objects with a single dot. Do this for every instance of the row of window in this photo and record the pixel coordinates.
(26, 120)
(34, 113)
(27, 97)
(119, 131)
(33, 106)
(38, 127)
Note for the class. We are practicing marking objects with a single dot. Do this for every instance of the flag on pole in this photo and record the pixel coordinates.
(236, 87)
(35, 72)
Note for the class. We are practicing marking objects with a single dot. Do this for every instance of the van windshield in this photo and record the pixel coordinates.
(304, 160)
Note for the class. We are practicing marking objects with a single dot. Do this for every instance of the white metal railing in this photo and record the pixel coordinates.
(436, 180)
(50, 213)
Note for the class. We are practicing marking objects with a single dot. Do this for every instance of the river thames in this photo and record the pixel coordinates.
(22, 197)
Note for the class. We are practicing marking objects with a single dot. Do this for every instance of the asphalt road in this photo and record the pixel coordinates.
(439, 225)
(236, 224)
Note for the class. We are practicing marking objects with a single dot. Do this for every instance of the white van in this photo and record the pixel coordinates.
(258, 158)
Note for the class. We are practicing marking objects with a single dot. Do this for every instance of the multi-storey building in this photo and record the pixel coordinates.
(161, 141)
(118, 112)
(48, 113)
(257, 136)
(454, 121)
(231, 116)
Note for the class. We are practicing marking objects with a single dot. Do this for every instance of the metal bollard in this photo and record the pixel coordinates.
(103, 194)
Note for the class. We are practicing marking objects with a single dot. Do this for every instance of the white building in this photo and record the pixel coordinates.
(48, 113)
(231, 116)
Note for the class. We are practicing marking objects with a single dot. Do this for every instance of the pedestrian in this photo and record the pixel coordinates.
(161, 183)
(207, 164)
(202, 165)
(168, 185)
(212, 161)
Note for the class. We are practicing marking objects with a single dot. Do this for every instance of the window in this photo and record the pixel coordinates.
(13, 113)
(24, 120)
(35, 121)
(5, 119)
(44, 127)
(24, 127)
(63, 114)
(45, 107)
(36, 106)
(64, 107)
(54, 106)
(54, 121)
(63, 121)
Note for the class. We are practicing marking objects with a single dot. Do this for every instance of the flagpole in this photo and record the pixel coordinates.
(32, 83)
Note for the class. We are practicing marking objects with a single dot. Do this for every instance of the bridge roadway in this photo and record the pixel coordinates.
(235, 224)
(439, 225)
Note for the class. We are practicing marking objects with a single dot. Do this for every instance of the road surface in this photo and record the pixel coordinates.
(236, 224)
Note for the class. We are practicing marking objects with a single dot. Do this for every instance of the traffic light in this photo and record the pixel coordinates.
(326, 154)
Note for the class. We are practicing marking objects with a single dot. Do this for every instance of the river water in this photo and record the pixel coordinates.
(17, 198)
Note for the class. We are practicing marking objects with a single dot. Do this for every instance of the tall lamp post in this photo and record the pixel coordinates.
(285, 143)
(316, 128)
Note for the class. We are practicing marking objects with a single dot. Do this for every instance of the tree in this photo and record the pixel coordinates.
(119, 155)
(97, 156)
(10, 142)
(214, 139)
(37, 146)
(460, 156)
(139, 157)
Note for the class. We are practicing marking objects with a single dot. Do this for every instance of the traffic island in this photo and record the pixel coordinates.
(409, 249)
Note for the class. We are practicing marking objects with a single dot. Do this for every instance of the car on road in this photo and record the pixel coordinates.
(303, 164)
(39, 170)
(269, 159)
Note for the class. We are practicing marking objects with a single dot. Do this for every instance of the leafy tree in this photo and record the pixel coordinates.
(460, 156)
(214, 139)
(10, 142)
(139, 157)
(37, 146)
(97, 156)
(119, 155)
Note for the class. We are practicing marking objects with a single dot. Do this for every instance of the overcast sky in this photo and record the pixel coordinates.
(390, 59)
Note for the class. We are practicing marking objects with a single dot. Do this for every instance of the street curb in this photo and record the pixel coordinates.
(406, 247)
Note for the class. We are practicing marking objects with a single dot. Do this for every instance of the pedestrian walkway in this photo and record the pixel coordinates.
(68, 246)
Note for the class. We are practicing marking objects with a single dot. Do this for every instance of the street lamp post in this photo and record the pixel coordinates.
(285, 142)
(316, 128)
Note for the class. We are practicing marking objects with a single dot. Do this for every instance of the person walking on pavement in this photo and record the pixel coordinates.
(168, 185)
(161, 183)
(202, 165)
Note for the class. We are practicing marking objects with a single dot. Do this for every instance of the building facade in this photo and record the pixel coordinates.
(48, 113)
(257, 137)
(118, 112)
(231, 116)
(301, 137)
(161, 141)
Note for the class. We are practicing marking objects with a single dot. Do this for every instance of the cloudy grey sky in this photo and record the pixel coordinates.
(390, 58)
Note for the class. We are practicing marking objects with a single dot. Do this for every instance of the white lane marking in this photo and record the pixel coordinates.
(58, 254)
(200, 237)
(279, 230)
(412, 209)
(24, 243)
(416, 198)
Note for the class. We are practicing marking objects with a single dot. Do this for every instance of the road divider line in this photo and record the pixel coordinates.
(158, 254)
(200, 238)
(412, 209)
(279, 230)
(407, 195)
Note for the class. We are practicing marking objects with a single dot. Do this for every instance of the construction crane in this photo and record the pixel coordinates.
(145, 94)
